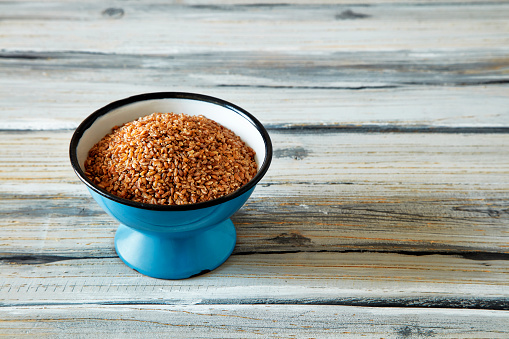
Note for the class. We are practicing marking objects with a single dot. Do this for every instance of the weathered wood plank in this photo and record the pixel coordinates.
(251, 321)
(173, 28)
(282, 89)
(289, 65)
(271, 225)
(358, 279)
(339, 70)
(379, 219)
(345, 216)
(377, 192)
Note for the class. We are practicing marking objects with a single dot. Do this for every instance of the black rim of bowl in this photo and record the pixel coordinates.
(88, 122)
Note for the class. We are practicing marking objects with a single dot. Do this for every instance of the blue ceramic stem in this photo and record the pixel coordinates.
(179, 246)
(175, 256)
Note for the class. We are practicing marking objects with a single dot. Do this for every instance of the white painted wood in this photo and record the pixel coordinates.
(159, 29)
(251, 321)
(289, 65)
(349, 213)
(371, 191)
(63, 100)
(364, 279)
(378, 218)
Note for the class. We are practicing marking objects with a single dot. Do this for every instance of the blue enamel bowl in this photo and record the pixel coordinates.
(172, 241)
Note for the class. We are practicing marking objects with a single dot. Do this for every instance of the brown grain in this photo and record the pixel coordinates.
(168, 159)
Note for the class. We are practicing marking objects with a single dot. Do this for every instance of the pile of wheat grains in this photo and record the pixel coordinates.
(170, 159)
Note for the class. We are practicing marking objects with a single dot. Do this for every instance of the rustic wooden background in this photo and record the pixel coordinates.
(386, 209)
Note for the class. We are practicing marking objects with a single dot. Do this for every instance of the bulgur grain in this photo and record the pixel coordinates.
(168, 158)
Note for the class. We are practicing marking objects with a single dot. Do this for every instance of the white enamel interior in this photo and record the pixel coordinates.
(222, 115)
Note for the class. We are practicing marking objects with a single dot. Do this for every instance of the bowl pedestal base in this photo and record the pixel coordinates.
(175, 255)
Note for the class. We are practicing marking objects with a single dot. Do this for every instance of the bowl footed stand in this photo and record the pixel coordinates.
(176, 255)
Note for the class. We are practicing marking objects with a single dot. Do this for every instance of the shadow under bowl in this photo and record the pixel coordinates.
(172, 241)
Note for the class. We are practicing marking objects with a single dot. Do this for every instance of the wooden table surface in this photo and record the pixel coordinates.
(385, 212)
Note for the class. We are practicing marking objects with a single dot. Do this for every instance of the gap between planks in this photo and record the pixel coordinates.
(320, 129)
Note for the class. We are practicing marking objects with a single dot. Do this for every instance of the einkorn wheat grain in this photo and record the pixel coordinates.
(170, 159)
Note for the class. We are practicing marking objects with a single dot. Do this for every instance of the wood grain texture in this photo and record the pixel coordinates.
(289, 65)
(267, 321)
(338, 225)
(281, 89)
(353, 279)
(384, 213)
(379, 191)
(203, 29)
